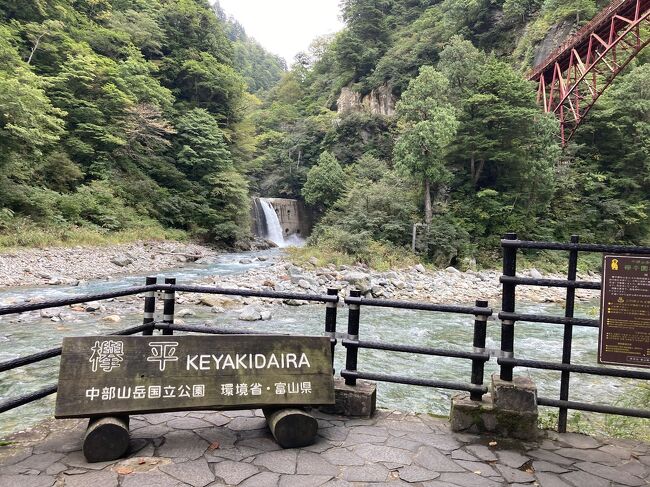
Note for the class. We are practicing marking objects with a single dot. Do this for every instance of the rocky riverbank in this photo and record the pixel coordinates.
(418, 283)
(276, 273)
(68, 266)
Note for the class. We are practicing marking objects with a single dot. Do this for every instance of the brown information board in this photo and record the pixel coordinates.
(625, 311)
(104, 375)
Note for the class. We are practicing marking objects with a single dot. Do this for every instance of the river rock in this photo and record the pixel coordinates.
(266, 315)
(452, 270)
(121, 261)
(112, 319)
(295, 302)
(313, 261)
(293, 270)
(250, 313)
(209, 260)
(355, 278)
(217, 309)
(216, 300)
(304, 284)
(262, 258)
(49, 313)
(420, 268)
(185, 312)
(535, 274)
(377, 291)
(245, 261)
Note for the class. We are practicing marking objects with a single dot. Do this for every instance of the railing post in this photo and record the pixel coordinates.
(508, 305)
(568, 334)
(354, 311)
(168, 308)
(149, 306)
(330, 321)
(478, 366)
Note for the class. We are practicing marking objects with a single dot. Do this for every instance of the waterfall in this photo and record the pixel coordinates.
(273, 228)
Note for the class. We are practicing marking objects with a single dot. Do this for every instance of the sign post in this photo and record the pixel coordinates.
(624, 337)
(110, 377)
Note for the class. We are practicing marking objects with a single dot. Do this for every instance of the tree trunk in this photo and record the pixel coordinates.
(477, 175)
(472, 168)
(428, 212)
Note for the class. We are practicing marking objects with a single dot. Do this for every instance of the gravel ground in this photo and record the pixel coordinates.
(36, 267)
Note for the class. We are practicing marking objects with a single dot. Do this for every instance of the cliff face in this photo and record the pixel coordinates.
(555, 36)
(379, 101)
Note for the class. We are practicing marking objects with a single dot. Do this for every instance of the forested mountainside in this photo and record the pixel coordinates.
(420, 111)
(125, 116)
(151, 116)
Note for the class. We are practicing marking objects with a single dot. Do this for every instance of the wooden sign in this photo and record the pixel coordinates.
(110, 375)
(624, 337)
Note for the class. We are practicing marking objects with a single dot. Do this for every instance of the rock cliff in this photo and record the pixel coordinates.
(379, 101)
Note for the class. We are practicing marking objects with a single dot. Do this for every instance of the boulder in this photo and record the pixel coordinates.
(420, 268)
(356, 278)
(185, 312)
(304, 284)
(250, 313)
(266, 315)
(245, 261)
(213, 300)
(207, 260)
(121, 261)
(112, 319)
(49, 313)
(535, 274)
(452, 270)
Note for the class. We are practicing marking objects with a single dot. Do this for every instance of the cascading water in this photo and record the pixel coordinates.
(273, 228)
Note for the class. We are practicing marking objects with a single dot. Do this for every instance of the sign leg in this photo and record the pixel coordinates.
(291, 428)
(106, 439)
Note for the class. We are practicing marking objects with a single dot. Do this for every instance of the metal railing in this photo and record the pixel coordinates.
(166, 326)
(478, 356)
(509, 317)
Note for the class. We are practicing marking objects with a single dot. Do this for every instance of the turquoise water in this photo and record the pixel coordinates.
(440, 330)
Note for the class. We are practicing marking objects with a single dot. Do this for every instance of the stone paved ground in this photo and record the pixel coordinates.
(235, 448)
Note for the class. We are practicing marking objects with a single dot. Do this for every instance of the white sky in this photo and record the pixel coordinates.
(285, 27)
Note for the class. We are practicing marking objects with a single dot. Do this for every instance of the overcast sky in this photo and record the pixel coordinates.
(285, 27)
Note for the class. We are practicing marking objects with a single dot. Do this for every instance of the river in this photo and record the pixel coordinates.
(30, 333)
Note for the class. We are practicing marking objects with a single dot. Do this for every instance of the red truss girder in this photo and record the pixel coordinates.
(574, 76)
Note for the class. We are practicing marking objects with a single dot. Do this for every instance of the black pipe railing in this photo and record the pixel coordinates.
(509, 317)
(167, 326)
(478, 356)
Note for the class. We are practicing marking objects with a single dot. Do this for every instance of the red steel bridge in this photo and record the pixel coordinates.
(574, 76)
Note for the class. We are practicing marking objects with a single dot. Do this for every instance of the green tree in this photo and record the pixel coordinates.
(325, 182)
(428, 126)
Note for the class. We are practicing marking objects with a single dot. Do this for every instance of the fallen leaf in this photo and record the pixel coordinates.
(124, 470)
(214, 446)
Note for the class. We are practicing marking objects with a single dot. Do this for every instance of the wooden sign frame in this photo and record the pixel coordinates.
(624, 336)
(115, 375)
